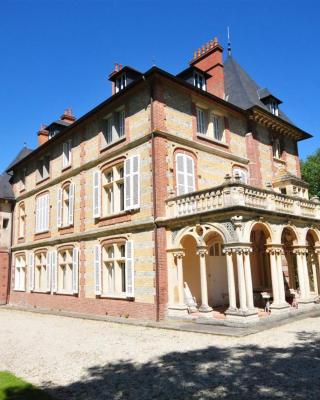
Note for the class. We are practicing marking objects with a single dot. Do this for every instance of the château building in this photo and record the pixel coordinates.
(179, 196)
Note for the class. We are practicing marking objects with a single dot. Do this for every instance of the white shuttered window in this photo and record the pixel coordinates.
(42, 213)
(31, 271)
(184, 174)
(96, 193)
(201, 123)
(66, 153)
(129, 269)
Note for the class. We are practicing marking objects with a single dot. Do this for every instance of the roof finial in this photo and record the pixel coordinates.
(229, 42)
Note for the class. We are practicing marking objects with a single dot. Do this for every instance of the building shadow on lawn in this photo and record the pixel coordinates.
(239, 372)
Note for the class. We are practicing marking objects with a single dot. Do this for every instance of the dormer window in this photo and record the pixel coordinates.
(274, 108)
(199, 80)
(120, 83)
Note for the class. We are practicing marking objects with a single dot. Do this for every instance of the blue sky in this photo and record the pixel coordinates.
(58, 54)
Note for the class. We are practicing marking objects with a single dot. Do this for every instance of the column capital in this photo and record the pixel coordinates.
(300, 250)
(237, 249)
(202, 251)
(178, 253)
(274, 249)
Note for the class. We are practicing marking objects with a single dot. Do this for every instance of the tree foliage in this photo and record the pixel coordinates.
(310, 170)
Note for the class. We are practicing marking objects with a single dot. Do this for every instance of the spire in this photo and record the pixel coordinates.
(229, 42)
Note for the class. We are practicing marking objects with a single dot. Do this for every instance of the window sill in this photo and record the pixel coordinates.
(115, 296)
(65, 293)
(41, 291)
(19, 290)
(276, 159)
(63, 169)
(114, 143)
(115, 215)
(43, 180)
(22, 190)
(211, 140)
(66, 229)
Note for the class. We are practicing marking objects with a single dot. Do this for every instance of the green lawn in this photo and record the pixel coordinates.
(13, 388)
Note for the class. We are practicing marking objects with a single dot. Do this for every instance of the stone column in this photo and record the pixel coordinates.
(314, 274)
(202, 252)
(306, 272)
(179, 256)
(231, 283)
(317, 264)
(274, 275)
(241, 281)
(300, 268)
(248, 278)
(282, 293)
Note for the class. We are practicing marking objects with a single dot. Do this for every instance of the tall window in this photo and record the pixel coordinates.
(114, 269)
(65, 264)
(217, 127)
(113, 190)
(20, 273)
(65, 205)
(201, 121)
(22, 221)
(43, 168)
(121, 83)
(41, 272)
(241, 173)
(42, 213)
(276, 148)
(117, 188)
(113, 127)
(185, 177)
(66, 153)
(199, 80)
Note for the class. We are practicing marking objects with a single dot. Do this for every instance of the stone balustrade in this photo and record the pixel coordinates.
(234, 194)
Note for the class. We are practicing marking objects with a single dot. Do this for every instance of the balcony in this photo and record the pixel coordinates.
(236, 194)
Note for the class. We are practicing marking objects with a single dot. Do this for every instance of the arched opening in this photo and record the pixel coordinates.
(191, 274)
(260, 263)
(216, 271)
(289, 260)
(312, 240)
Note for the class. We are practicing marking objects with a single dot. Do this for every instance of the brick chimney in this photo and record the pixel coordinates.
(67, 116)
(117, 68)
(208, 59)
(43, 135)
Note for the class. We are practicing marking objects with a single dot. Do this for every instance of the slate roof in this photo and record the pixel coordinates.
(241, 90)
(5, 186)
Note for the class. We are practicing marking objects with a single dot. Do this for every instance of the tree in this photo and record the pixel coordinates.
(310, 170)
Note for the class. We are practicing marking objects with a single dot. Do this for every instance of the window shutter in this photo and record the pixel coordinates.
(54, 271)
(190, 183)
(96, 194)
(31, 271)
(71, 203)
(180, 174)
(121, 123)
(37, 214)
(65, 153)
(59, 207)
(69, 151)
(97, 269)
(135, 179)
(127, 184)
(46, 212)
(129, 269)
(15, 274)
(48, 268)
(75, 270)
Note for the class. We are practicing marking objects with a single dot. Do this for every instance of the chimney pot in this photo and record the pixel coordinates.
(68, 116)
(43, 135)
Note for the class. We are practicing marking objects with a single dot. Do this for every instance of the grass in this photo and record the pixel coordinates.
(14, 388)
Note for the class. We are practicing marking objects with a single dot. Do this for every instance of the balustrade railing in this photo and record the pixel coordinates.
(239, 194)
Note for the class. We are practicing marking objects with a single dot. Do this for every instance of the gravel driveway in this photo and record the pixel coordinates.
(81, 359)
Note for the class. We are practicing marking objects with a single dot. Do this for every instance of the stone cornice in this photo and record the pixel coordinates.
(123, 228)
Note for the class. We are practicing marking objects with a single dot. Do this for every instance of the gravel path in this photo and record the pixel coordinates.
(81, 359)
